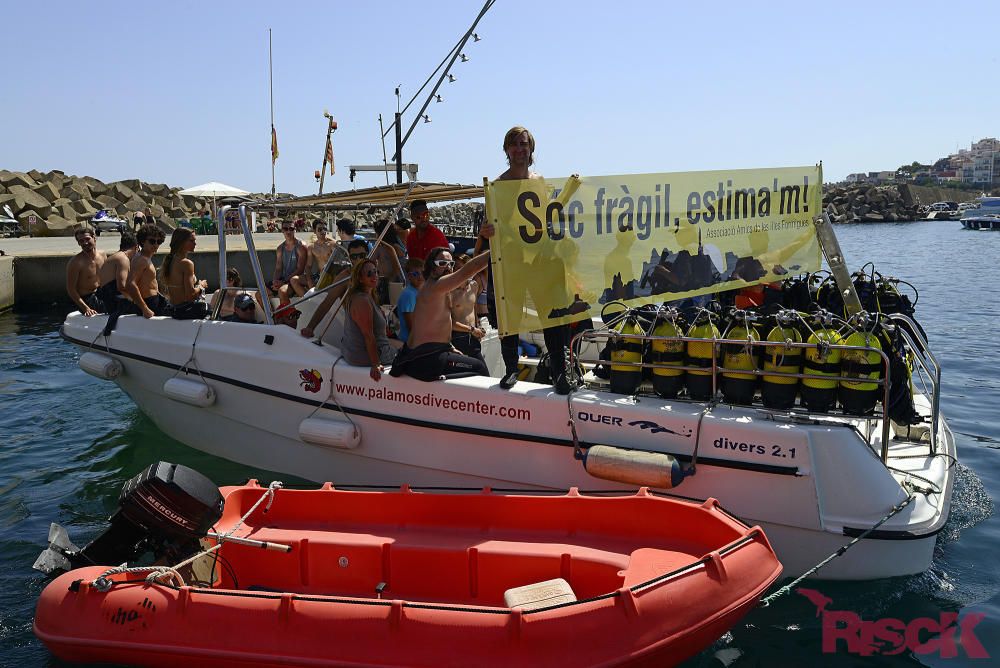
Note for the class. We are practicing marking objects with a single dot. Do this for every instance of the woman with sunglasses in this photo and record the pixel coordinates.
(289, 266)
(429, 354)
(365, 342)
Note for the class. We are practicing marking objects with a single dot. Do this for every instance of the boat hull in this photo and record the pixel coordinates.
(799, 478)
(657, 580)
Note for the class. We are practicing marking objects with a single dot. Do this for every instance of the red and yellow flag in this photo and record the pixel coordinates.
(274, 145)
(329, 152)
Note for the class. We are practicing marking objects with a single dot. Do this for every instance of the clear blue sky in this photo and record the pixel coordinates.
(177, 92)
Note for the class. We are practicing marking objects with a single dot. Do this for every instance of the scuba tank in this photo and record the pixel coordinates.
(699, 354)
(739, 388)
(821, 360)
(858, 397)
(667, 382)
(625, 379)
(779, 391)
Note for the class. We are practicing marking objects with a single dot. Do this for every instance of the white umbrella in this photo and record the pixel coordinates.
(214, 189)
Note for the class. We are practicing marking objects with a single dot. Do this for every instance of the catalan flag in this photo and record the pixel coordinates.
(274, 145)
(329, 152)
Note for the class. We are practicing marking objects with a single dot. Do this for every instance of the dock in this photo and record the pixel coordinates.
(33, 270)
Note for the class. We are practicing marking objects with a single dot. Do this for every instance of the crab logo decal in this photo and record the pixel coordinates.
(310, 380)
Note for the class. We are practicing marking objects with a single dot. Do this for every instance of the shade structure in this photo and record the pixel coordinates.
(214, 189)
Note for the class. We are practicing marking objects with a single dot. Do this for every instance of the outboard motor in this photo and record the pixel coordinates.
(165, 510)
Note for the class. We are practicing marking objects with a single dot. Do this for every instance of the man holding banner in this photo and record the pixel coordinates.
(519, 146)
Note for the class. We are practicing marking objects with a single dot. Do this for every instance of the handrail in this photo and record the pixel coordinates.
(255, 264)
(717, 343)
(911, 333)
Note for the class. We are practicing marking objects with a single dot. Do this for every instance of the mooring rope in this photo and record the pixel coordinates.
(764, 602)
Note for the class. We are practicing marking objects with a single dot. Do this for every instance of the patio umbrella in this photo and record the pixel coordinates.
(214, 189)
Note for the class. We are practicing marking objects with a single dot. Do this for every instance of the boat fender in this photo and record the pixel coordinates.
(101, 366)
(331, 433)
(634, 467)
(193, 392)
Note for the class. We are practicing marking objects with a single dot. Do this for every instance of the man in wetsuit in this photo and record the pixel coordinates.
(142, 287)
(82, 271)
(429, 354)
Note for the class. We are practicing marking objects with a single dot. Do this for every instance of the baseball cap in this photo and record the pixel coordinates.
(243, 302)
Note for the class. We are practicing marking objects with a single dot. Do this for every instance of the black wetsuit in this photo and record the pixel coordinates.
(94, 301)
(431, 361)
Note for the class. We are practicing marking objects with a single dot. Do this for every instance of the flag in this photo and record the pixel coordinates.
(329, 152)
(274, 145)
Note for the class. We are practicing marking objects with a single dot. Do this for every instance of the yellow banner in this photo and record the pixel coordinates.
(566, 247)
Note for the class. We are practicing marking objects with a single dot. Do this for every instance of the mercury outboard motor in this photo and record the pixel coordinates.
(165, 510)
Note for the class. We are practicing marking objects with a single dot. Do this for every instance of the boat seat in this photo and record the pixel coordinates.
(647, 563)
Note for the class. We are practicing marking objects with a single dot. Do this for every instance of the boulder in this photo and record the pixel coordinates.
(84, 208)
(8, 199)
(177, 213)
(874, 217)
(158, 211)
(108, 202)
(120, 191)
(11, 179)
(96, 187)
(48, 190)
(135, 204)
(36, 175)
(28, 199)
(133, 184)
(76, 190)
(161, 189)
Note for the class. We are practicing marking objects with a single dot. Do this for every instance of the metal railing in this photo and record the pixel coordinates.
(717, 369)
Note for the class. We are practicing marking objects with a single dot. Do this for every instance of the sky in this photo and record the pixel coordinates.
(177, 92)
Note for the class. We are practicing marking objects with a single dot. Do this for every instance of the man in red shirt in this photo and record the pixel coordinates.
(424, 236)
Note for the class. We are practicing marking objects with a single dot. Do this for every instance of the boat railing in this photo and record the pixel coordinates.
(717, 368)
(929, 366)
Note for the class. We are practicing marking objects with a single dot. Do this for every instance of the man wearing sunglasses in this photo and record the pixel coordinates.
(244, 310)
(429, 354)
(357, 250)
(289, 266)
(424, 236)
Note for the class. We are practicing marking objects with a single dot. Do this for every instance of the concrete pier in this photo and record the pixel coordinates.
(33, 270)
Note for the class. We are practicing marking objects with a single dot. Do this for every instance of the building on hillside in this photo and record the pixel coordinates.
(858, 177)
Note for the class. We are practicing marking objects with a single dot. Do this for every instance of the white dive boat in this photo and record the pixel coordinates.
(984, 216)
(265, 396)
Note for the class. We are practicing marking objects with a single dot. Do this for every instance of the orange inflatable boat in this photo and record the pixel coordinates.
(407, 578)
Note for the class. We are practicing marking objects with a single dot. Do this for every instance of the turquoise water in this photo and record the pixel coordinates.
(69, 441)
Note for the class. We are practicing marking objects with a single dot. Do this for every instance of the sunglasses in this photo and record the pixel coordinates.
(444, 263)
(248, 307)
(370, 273)
(358, 256)
(287, 229)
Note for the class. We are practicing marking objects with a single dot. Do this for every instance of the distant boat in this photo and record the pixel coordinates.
(985, 216)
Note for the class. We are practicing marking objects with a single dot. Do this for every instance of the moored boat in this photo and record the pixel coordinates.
(403, 577)
(984, 216)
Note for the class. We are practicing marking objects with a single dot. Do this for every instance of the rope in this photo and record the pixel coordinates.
(165, 574)
(333, 395)
(765, 602)
(193, 358)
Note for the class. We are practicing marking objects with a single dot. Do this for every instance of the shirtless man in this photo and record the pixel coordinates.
(319, 253)
(429, 355)
(142, 287)
(114, 273)
(82, 278)
(465, 330)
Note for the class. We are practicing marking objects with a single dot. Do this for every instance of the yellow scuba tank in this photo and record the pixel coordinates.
(699, 354)
(625, 379)
(739, 388)
(858, 397)
(821, 360)
(779, 391)
(667, 381)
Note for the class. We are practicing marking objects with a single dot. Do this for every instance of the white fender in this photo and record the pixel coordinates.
(331, 433)
(192, 392)
(101, 366)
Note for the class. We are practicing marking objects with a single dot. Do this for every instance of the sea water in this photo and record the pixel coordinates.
(68, 441)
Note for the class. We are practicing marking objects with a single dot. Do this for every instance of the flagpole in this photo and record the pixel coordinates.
(270, 77)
